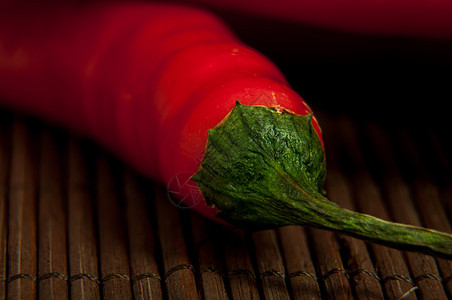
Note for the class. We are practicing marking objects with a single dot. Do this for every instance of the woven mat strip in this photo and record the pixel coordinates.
(82, 236)
(124, 237)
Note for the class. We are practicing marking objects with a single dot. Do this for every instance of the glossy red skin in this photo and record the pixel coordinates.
(144, 80)
(423, 18)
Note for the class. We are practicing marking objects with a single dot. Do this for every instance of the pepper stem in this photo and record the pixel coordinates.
(372, 229)
(265, 168)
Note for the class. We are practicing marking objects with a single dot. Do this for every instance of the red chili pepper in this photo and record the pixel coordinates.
(174, 93)
(423, 18)
(145, 80)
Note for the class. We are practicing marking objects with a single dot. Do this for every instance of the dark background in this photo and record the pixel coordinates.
(386, 78)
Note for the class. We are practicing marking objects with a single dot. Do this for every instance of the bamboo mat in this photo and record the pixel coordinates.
(75, 223)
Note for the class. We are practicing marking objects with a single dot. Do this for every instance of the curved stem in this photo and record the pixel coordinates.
(369, 228)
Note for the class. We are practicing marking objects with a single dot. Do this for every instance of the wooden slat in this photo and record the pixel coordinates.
(146, 278)
(241, 274)
(332, 277)
(83, 260)
(22, 241)
(270, 264)
(179, 270)
(207, 245)
(52, 271)
(299, 264)
(113, 250)
(4, 176)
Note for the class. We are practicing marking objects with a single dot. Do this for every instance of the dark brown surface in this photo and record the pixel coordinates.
(23, 223)
(76, 223)
(52, 267)
(83, 253)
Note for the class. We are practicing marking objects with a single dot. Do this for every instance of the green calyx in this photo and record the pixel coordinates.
(264, 168)
(258, 163)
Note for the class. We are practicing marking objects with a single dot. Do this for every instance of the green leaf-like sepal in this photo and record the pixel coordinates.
(258, 162)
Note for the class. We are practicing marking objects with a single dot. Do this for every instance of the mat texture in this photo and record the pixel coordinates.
(76, 223)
